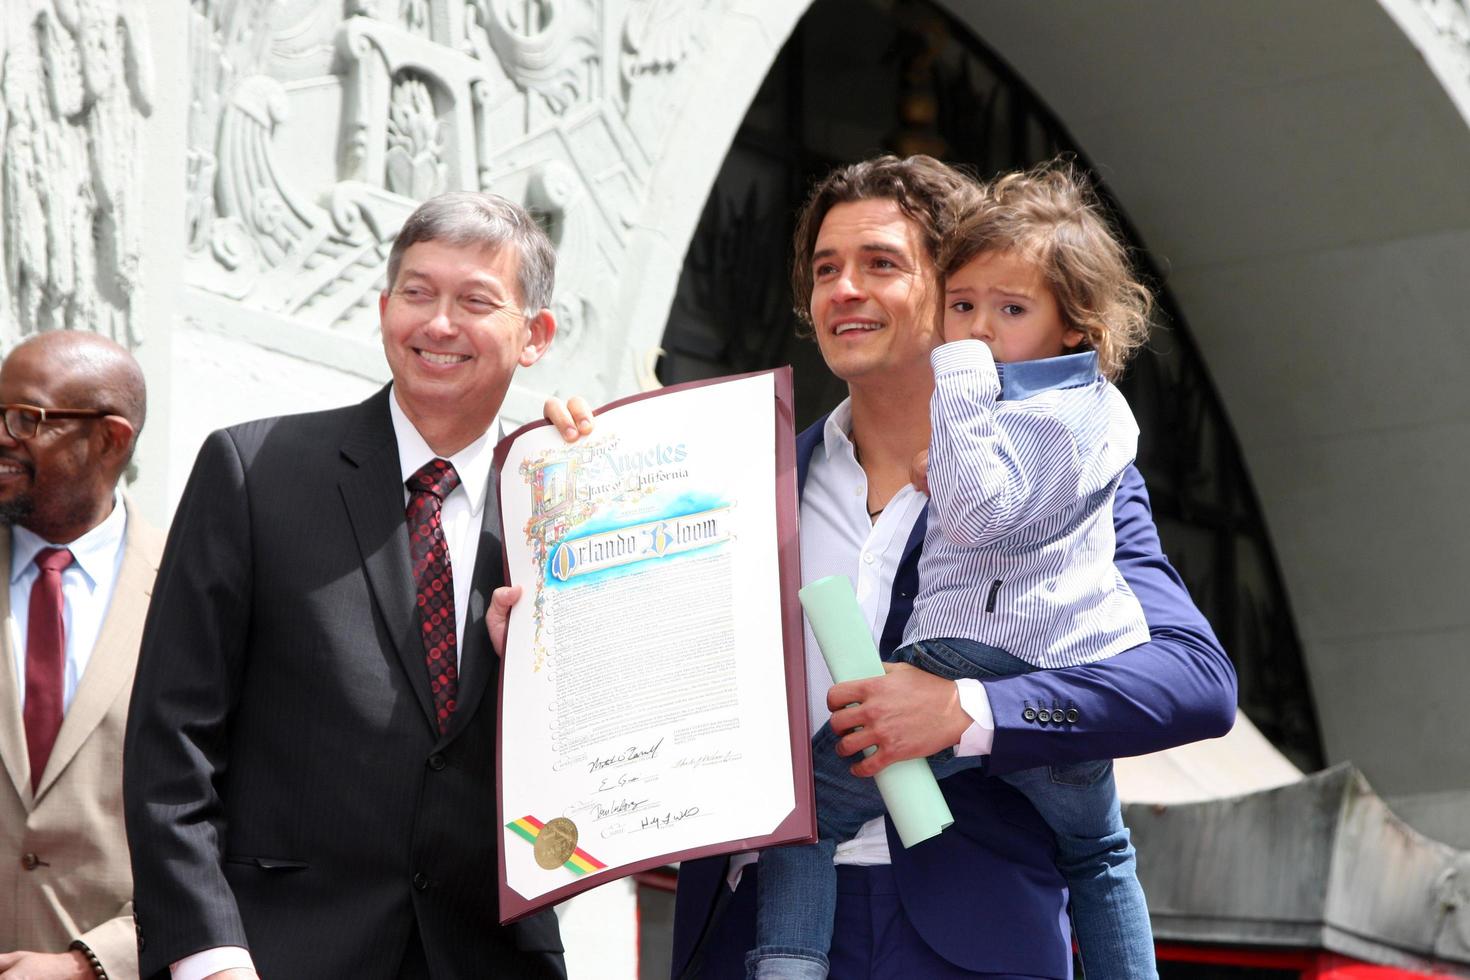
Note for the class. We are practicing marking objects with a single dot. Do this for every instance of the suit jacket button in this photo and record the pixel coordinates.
(436, 762)
(1072, 715)
(420, 881)
(1044, 715)
(31, 861)
(1029, 714)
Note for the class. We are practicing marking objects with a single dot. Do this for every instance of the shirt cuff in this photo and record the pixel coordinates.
(962, 355)
(202, 964)
(736, 868)
(980, 736)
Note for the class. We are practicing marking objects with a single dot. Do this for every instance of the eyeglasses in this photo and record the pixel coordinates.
(24, 421)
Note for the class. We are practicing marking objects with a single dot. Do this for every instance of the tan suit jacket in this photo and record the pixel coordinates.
(63, 852)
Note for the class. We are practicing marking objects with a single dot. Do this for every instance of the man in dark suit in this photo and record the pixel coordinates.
(984, 899)
(310, 768)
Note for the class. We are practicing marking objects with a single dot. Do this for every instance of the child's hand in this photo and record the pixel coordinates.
(919, 472)
(572, 418)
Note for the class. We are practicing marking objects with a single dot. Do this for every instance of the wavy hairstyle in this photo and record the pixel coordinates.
(1052, 216)
(923, 188)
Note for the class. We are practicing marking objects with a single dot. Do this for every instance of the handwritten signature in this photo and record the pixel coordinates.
(609, 783)
(621, 808)
(707, 759)
(668, 819)
(655, 821)
(629, 755)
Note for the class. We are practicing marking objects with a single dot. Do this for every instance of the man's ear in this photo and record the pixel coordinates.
(118, 435)
(542, 328)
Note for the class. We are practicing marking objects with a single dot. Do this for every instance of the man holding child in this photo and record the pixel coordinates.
(986, 897)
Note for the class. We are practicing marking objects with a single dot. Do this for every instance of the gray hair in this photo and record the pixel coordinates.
(469, 218)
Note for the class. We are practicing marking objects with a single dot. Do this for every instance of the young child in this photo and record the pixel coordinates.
(1029, 441)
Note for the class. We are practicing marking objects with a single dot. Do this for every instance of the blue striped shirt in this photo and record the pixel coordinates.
(1024, 460)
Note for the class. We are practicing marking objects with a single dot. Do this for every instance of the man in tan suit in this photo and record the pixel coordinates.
(80, 563)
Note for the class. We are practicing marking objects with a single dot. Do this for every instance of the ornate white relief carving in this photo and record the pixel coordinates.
(547, 47)
(658, 36)
(304, 160)
(1449, 24)
(1451, 19)
(415, 159)
(77, 79)
(415, 16)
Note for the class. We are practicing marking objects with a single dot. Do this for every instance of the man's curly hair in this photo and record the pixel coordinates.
(921, 186)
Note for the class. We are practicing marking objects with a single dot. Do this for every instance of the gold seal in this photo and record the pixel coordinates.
(556, 842)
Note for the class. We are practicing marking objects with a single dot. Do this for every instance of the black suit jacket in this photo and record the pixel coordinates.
(286, 787)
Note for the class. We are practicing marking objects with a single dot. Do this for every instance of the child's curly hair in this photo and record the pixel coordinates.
(1052, 216)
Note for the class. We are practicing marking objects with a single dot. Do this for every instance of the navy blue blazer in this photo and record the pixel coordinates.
(986, 893)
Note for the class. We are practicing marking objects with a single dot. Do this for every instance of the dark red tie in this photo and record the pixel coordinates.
(434, 580)
(45, 660)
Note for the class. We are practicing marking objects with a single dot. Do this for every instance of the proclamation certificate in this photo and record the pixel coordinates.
(653, 691)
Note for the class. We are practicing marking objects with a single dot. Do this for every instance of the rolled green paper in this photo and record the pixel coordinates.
(909, 789)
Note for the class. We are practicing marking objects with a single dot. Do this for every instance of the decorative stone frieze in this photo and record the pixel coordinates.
(315, 129)
(77, 79)
(1450, 18)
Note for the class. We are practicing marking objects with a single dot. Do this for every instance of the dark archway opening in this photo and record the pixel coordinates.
(858, 78)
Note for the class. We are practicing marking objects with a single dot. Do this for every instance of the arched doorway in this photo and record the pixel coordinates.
(860, 78)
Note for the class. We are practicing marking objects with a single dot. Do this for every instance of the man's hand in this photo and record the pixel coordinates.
(572, 418)
(24, 965)
(919, 471)
(497, 619)
(908, 713)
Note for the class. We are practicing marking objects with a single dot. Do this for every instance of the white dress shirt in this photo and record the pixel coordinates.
(460, 516)
(462, 510)
(87, 585)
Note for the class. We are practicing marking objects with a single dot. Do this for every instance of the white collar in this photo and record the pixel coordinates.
(472, 463)
(836, 433)
(95, 552)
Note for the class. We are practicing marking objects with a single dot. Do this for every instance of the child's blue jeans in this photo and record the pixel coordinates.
(798, 885)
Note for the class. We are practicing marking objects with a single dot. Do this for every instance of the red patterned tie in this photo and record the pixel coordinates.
(434, 580)
(45, 660)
